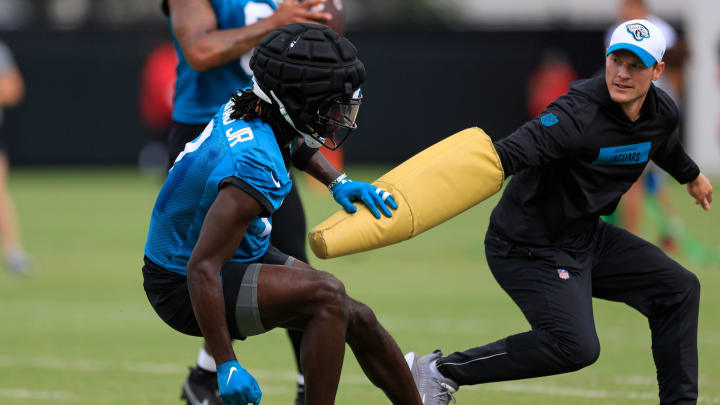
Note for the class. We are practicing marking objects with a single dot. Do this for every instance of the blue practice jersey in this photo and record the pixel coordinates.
(199, 94)
(245, 154)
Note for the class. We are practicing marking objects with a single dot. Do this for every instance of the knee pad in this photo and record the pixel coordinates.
(431, 187)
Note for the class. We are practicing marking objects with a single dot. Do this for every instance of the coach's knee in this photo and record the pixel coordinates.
(691, 286)
(579, 353)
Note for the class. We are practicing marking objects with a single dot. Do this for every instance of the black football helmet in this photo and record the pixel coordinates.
(314, 76)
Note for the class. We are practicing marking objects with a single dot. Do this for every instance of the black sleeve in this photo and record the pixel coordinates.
(554, 134)
(268, 208)
(302, 156)
(672, 158)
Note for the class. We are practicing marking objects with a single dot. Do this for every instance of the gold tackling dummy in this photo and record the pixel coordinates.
(429, 188)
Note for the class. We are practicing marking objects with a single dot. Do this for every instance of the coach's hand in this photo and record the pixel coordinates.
(237, 386)
(345, 191)
(701, 190)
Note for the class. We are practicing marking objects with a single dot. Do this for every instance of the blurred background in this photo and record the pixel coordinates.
(86, 148)
(435, 66)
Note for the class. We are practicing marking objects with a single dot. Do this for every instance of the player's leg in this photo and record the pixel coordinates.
(168, 294)
(633, 271)
(289, 296)
(553, 290)
(260, 297)
(15, 258)
(379, 355)
(300, 297)
(289, 230)
(315, 302)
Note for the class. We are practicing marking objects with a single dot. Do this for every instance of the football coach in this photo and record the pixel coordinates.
(549, 250)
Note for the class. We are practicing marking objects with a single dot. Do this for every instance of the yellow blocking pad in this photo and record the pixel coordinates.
(429, 188)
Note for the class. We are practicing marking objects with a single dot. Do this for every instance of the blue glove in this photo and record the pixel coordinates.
(345, 191)
(237, 386)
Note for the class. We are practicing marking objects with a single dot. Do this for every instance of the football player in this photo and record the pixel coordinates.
(209, 268)
(214, 41)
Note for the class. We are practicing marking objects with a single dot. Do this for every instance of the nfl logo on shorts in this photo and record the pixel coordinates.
(563, 274)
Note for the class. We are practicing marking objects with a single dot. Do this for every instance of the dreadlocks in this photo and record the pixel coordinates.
(248, 106)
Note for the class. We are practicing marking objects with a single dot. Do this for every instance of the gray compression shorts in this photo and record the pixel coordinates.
(247, 314)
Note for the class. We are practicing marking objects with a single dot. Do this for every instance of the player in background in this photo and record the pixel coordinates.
(214, 40)
(157, 88)
(209, 267)
(549, 80)
(12, 91)
(672, 82)
(548, 249)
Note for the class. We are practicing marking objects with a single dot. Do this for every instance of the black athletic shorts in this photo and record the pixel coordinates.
(178, 135)
(169, 296)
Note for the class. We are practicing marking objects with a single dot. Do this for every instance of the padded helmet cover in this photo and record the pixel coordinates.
(306, 65)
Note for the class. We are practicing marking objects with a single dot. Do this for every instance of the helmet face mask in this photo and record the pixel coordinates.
(336, 120)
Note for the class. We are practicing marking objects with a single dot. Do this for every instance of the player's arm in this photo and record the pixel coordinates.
(321, 169)
(346, 191)
(222, 231)
(205, 46)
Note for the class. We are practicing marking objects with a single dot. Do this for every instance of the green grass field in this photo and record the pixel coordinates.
(80, 330)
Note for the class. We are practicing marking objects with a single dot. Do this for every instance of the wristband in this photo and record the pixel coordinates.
(340, 179)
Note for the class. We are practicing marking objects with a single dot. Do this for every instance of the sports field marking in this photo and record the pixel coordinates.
(570, 392)
(353, 379)
(22, 393)
(650, 380)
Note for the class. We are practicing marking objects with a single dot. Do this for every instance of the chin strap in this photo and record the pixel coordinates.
(260, 93)
(310, 140)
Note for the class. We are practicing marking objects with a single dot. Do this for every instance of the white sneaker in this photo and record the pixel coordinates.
(434, 388)
(18, 263)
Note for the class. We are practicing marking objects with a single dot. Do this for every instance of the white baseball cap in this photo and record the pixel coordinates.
(641, 37)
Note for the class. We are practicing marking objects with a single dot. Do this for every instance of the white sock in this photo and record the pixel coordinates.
(205, 361)
(301, 379)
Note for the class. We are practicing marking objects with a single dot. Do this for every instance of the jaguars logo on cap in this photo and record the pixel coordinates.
(638, 31)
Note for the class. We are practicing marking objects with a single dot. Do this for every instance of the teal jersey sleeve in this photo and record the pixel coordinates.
(258, 165)
(266, 173)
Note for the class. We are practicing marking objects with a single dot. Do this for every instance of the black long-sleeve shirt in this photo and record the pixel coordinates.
(574, 161)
